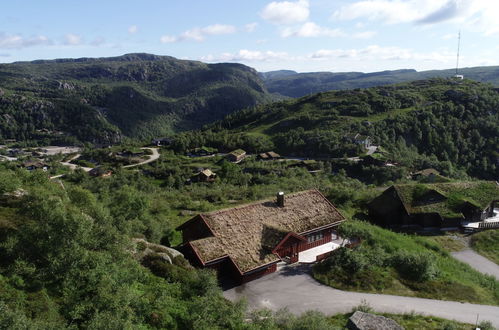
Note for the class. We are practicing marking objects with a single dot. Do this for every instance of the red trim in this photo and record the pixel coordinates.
(290, 234)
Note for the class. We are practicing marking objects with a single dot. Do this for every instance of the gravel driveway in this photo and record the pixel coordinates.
(478, 262)
(293, 288)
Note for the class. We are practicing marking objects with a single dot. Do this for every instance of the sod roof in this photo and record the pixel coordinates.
(424, 198)
(248, 233)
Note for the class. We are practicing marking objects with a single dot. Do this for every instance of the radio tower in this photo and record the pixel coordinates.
(458, 76)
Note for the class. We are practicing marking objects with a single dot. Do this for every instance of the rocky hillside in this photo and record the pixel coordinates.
(136, 95)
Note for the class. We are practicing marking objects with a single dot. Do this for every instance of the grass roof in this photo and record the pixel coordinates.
(248, 233)
(455, 196)
(238, 152)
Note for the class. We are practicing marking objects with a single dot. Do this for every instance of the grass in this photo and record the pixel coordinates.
(375, 271)
(487, 244)
(450, 243)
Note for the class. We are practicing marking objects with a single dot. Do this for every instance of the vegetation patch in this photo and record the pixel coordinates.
(487, 244)
(392, 263)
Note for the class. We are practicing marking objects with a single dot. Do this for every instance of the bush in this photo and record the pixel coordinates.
(414, 266)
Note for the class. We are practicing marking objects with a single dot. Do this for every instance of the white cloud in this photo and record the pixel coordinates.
(245, 55)
(377, 53)
(200, 34)
(251, 27)
(72, 39)
(167, 39)
(98, 41)
(476, 15)
(9, 41)
(309, 30)
(132, 29)
(364, 35)
(286, 12)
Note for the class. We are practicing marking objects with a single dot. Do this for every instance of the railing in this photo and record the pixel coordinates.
(488, 225)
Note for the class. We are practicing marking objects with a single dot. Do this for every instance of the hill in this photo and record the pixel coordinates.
(293, 84)
(440, 123)
(136, 95)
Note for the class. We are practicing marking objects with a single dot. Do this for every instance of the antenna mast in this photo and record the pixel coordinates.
(458, 48)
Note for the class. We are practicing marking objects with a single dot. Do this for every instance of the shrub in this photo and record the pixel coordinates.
(414, 266)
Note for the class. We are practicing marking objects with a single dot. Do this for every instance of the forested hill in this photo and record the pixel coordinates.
(452, 122)
(137, 95)
(293, 84)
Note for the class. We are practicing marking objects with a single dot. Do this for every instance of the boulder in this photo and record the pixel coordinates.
(143, 248)
(366, 321)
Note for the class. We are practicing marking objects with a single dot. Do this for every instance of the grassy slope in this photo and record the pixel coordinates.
(487, 244)
(454, 281)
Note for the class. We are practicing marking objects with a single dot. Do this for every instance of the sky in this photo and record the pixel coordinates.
(301, 35)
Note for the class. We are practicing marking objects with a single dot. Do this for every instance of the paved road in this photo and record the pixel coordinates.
(371, 150)
(477, 262)
(295, 289)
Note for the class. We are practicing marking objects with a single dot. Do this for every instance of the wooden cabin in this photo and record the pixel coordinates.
(205, 175)
(247, 242)
(270, 155)
(236, 155)
(438, 205)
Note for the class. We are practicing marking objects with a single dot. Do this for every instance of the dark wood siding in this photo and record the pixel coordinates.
(196, 229)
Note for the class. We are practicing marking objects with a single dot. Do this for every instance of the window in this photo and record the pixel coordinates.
(315, 237)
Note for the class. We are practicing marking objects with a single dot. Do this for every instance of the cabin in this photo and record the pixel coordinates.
(202, 152)
(205, 175)
(161, 142)
(32, 165)
(236, 156)
(359, 139)
(428, 175)
(247, 242)
(270, 155)
(438, 205)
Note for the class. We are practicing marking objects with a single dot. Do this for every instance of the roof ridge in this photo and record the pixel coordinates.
(255, 203)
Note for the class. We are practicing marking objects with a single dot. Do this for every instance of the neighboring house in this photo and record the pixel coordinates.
(248, 241)
(32, 165)
(202, 151)
(236, 155)
(161, 142)
(357, 138)
(440, 205)
(100, 172)
(204, 176)
(428, 174)
(310, 165)
(269, 156)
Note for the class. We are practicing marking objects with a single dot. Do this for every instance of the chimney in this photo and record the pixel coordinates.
(280, 199)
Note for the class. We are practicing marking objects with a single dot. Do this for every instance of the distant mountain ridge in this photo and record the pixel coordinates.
(136, 95)
(286, 83)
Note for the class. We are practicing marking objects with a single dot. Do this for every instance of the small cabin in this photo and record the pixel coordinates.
(270, 155)
(236, 156)
(359, 139)
(205, 175)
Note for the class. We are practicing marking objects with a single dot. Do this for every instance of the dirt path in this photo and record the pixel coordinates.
(152, 158)
(293, 288)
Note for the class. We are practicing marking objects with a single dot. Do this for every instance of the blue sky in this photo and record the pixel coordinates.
(301, 35)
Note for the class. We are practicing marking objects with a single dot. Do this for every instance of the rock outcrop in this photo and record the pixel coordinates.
(366, 321)
(143, 249)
